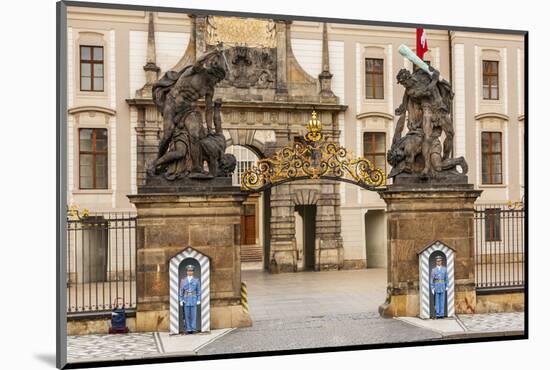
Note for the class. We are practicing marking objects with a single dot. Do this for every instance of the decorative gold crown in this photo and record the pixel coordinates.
(314, 127)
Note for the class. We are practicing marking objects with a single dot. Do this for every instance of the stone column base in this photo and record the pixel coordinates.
(233, 316)
(283, 257)
(330, 257)
(158, 320)
(417, 216)
(408, 304)
(396, 305)
(221, 317)
(204, 215)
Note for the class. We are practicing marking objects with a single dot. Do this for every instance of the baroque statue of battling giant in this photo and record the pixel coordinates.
(426, 109)
(188, 140)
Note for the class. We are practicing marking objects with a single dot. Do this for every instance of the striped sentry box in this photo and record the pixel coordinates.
(424, 268)
(204, 262)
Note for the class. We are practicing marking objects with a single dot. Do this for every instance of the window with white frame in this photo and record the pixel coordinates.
(491, 158)
(91, 68)
(374, 148)
(374, 78)
(93, 170)
(490, 80)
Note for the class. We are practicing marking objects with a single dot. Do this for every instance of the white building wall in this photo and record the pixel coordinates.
(113, 121)
(353, 233)
(342, 126)
(459, 100)
(70, 159)
(169, 48)
(133, 150)
(70, 119)
(309, 53)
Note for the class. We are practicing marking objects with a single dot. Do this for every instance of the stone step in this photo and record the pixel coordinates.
(251, 253)
(258, 253)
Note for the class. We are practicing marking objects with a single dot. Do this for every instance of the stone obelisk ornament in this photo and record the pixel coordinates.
(187, 140)
(419, 155)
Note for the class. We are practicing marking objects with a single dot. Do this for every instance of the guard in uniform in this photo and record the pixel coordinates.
(439, 286)
(190, 297)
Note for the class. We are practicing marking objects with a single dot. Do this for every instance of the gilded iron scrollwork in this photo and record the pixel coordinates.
(315, 157)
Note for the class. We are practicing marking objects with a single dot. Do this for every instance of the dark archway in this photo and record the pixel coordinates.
(375, 238)
(308, 214)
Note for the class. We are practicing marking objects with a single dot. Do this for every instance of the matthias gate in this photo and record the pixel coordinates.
(266, 98)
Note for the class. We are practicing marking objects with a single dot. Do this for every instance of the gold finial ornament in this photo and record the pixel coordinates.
(315, 157)
(314, 128)
(74, 213)
(515, 206)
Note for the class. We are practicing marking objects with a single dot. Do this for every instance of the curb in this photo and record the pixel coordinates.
(141, 357)
(483, 334)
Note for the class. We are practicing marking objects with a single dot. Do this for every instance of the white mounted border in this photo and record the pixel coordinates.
(424, 268)
(204, 262)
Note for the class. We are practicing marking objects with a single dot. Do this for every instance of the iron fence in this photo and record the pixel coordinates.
(101, 261)
(499, 246)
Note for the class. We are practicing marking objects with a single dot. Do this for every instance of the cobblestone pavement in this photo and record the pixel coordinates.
(318, 331)
(111, 347)
(85, 348)
(296, 311)
(316, 309)
(507, 321)
(277, 296)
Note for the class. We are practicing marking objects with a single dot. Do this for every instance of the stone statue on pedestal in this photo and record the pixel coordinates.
(187, 142)
(426, 108)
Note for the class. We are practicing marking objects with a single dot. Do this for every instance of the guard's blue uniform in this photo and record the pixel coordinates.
(189, 294)
(439, 284)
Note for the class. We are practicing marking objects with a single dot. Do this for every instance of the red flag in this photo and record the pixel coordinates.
(421, 42)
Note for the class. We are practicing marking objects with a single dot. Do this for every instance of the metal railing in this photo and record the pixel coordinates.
(101, 261)
(499, 246)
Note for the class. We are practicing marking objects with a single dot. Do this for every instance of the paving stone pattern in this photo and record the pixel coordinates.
(110, 347)
(506, 321)
(332, 330)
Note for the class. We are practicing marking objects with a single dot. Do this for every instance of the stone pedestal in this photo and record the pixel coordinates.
(418, 215)
(203, 214)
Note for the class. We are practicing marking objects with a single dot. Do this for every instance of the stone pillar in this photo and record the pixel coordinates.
(417, 216)
(328, 230)
(148, 131)
(281, 28)
(169, 222)
(200, 34)
(283, 254)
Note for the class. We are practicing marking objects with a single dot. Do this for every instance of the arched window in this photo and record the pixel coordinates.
(245, 160)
